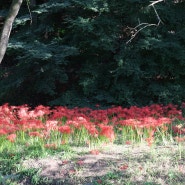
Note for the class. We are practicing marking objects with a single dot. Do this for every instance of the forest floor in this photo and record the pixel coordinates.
(112, 164)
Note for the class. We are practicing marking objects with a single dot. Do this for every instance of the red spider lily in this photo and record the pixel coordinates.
(39, 113)
(88, 142)
(14, 118)
(65, 129)
(156, 110)
(180, 139)
(150, 141)
(164, 128)
(41, 110)
(32, 114)
(72, 171)
(7, 113)
(178, 130)
(11, 137)
(22, 124)
(51, 125)
(63, 142)
(80, 162)
(99, 181)
(164, 120)
(22, 112)
(128, 142)
(107, 131)
(98, 115)
(151, 133)
(140, 168)
(114, 120)
(183, 130)
(95, 152)
(5, 108)
(3, 132)
(65, 162)
(76, 124)
(93, 131)
(80, 122)
(50, 146)
(36, 124)
(120, 128)
(31, 124)
(172, 111)
(181, 168)
(35, 134)
(130, 122)
(59, 112)
(46, 134)
(149, 122)
(115, 111)
(123, 167)
(7, 127)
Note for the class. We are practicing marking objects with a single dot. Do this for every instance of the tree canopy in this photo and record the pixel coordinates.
(79, 52)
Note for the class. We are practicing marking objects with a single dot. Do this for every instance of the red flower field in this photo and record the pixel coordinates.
(85, 125)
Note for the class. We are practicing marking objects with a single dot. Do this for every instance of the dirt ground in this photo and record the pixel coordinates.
(86, 166)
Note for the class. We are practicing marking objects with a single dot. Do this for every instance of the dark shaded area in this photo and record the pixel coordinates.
(75, 54)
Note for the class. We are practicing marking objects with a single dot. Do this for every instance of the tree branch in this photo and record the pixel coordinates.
(155, 2)
(134, 35)
(142, 26)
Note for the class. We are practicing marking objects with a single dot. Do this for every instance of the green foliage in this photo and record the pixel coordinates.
(76, 52)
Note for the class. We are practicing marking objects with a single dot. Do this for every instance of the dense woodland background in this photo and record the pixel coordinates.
(76, 53)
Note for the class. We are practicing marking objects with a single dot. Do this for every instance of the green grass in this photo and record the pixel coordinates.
(116, 164)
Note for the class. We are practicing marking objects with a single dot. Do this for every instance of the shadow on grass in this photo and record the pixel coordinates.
(118, 165)
(111, 178)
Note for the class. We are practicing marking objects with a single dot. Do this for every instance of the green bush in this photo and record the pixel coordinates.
(76, 53)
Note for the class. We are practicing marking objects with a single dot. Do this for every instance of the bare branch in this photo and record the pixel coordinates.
(134, 35)
(28, 2)
(155, 2)
(134, 31)
(159, 19)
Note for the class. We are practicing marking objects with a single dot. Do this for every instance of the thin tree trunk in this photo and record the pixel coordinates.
(5, 34)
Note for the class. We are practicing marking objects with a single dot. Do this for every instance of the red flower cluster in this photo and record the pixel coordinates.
(39, 122)
(65, 129)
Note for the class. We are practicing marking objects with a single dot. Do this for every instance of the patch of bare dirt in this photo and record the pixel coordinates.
(87, 165)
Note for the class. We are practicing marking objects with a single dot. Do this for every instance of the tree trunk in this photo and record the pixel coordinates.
(5, 34)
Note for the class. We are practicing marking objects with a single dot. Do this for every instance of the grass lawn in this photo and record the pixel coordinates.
(109, 164)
